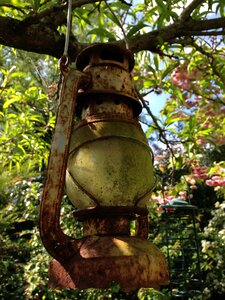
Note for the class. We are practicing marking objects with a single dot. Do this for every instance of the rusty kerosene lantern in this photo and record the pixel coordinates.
(105, 165)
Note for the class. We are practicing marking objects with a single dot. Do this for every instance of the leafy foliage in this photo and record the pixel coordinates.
(213, 258)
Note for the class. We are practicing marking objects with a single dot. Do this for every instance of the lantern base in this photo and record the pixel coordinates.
(132, 262)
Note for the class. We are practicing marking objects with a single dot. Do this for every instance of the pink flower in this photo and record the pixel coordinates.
(203, 176)
(216, 181)
(210, 182)
(194, 187)
(201, 142)
(191, 103)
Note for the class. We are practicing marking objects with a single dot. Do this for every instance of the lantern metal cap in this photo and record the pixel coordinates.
(105, 54)
(110, 67)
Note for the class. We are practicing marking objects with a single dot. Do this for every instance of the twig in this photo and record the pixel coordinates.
(211, 59)
(189, 9)
(154, 119)
(203, 33)
(119, 23)
(124, 2)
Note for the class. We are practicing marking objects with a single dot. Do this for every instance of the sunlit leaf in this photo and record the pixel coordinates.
(136, 28)
(102, 32)
(10, 101)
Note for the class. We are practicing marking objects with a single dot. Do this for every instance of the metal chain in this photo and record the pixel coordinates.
(68, 28)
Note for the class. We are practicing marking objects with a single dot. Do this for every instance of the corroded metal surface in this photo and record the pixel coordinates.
(142, 227)
(110, 220)
(107, 105)
(105, 54)
(129, 212)
(106, 226)
(52, 236)
(132, 262)
(110, 70)
(119, 82)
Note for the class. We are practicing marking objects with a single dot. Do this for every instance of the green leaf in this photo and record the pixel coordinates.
(192, 123)
(36, 5)
(169, 70)
(102, 32)
(161, 4)
(10, 101)
(113, 18)
(156, 61)
(136, 28)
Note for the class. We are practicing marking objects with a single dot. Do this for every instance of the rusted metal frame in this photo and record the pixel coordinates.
(52, 235)
(142, 227)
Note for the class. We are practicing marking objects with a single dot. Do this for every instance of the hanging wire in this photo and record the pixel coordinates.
(64, 60)
(68, 28)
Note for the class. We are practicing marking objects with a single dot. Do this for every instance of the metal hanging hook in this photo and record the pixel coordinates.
(64, 60)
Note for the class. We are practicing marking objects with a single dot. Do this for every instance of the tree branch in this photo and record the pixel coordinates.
(210, 24)
(204, 33)
(38, 33)
(151, 40)
(185, 15)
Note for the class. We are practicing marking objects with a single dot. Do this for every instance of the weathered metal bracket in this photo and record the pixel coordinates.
(52, 235)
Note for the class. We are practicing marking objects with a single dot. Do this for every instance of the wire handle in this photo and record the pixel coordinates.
(68, 28)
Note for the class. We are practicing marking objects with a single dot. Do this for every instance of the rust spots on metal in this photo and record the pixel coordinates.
(106, 226)
(113, 211)
(105, 55)
(134, 263)
(109, 68)
(142, 227)
(115, 220)
(52, 236)
(107, 105)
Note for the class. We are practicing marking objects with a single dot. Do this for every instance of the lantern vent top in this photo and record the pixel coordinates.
(110, 69)
(105, 54)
